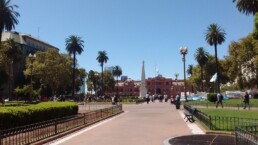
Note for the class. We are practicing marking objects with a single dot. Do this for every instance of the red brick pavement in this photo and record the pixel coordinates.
(142, 124)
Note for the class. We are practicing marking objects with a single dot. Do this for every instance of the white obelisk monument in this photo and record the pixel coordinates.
(143, 90)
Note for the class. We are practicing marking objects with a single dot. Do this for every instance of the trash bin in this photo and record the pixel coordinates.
(177, 105)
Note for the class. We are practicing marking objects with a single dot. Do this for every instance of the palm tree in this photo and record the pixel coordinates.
(102, 58)
(8, 17)
(13, 54)
(247, 6)
(74, 45)
(117, 72)
(190, 69)
(190, 72)
(214, 36)
(92, 80)
(201, 56)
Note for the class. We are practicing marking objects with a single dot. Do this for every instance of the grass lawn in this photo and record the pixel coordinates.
(231, 113)
(228, 119)
(230, 102)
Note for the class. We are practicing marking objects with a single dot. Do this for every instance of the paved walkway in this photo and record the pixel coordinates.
(142, 124)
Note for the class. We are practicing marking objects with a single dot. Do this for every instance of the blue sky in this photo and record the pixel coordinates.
(133, 30)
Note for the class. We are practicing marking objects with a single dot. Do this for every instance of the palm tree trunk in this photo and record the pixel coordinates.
(217, 69)
(202, 77)
(102, 79)
(12, 80)
(9, 81)
(73, 74)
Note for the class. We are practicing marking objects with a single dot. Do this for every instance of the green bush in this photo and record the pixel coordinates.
(212, 97)
(23, 115)
(255, 96)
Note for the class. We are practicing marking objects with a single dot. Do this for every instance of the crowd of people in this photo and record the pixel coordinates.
(160, 97)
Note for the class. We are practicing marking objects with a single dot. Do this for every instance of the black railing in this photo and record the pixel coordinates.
(229, 123)
(246, 135)
(204, 118)
(221, 123)
(35, 132)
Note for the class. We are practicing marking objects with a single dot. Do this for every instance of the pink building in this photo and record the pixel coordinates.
(157, 85)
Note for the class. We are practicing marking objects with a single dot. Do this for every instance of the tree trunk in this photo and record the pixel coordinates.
(217, 69)
(102, 85)
(73, 74)
(202, 77)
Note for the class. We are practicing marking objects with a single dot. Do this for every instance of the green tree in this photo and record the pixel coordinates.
(117, 72)
(74, 45)
(102, 58)
(209, 71)
(233, 61)
(109, 82)
(248, 61)
(190, 72)
(80, 78)
(52, 70)
(215, 35)
(201, 56)
(255, 31)
(8, 16)
(91, 81)
(12, 54)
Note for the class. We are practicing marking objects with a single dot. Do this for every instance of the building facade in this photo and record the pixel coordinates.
(27, 44)
(156, 85)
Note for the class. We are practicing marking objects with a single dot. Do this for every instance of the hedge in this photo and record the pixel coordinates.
(212, 97)
(23, 115)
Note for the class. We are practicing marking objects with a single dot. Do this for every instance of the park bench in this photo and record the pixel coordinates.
(189, 114)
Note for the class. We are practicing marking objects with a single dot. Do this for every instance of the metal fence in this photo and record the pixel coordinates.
(221, 123)
(35, 132)
(204, 118)
(246, 135)
(89, 106)
(229, 123)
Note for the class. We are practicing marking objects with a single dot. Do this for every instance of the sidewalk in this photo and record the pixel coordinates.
(142, 124)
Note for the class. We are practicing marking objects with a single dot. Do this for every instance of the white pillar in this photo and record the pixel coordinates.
(143, 90)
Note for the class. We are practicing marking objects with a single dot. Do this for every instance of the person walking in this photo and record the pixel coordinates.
(147, 98)
(246, 100)
(219, 100)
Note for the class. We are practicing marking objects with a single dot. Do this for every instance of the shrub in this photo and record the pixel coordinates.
(255, 96)
(212, 97)
(23, 115)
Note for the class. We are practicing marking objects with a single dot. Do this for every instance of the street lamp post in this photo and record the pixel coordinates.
(183, 51)
(203, 85)
(31, 58)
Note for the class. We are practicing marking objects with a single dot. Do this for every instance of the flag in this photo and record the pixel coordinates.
(214, 78)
